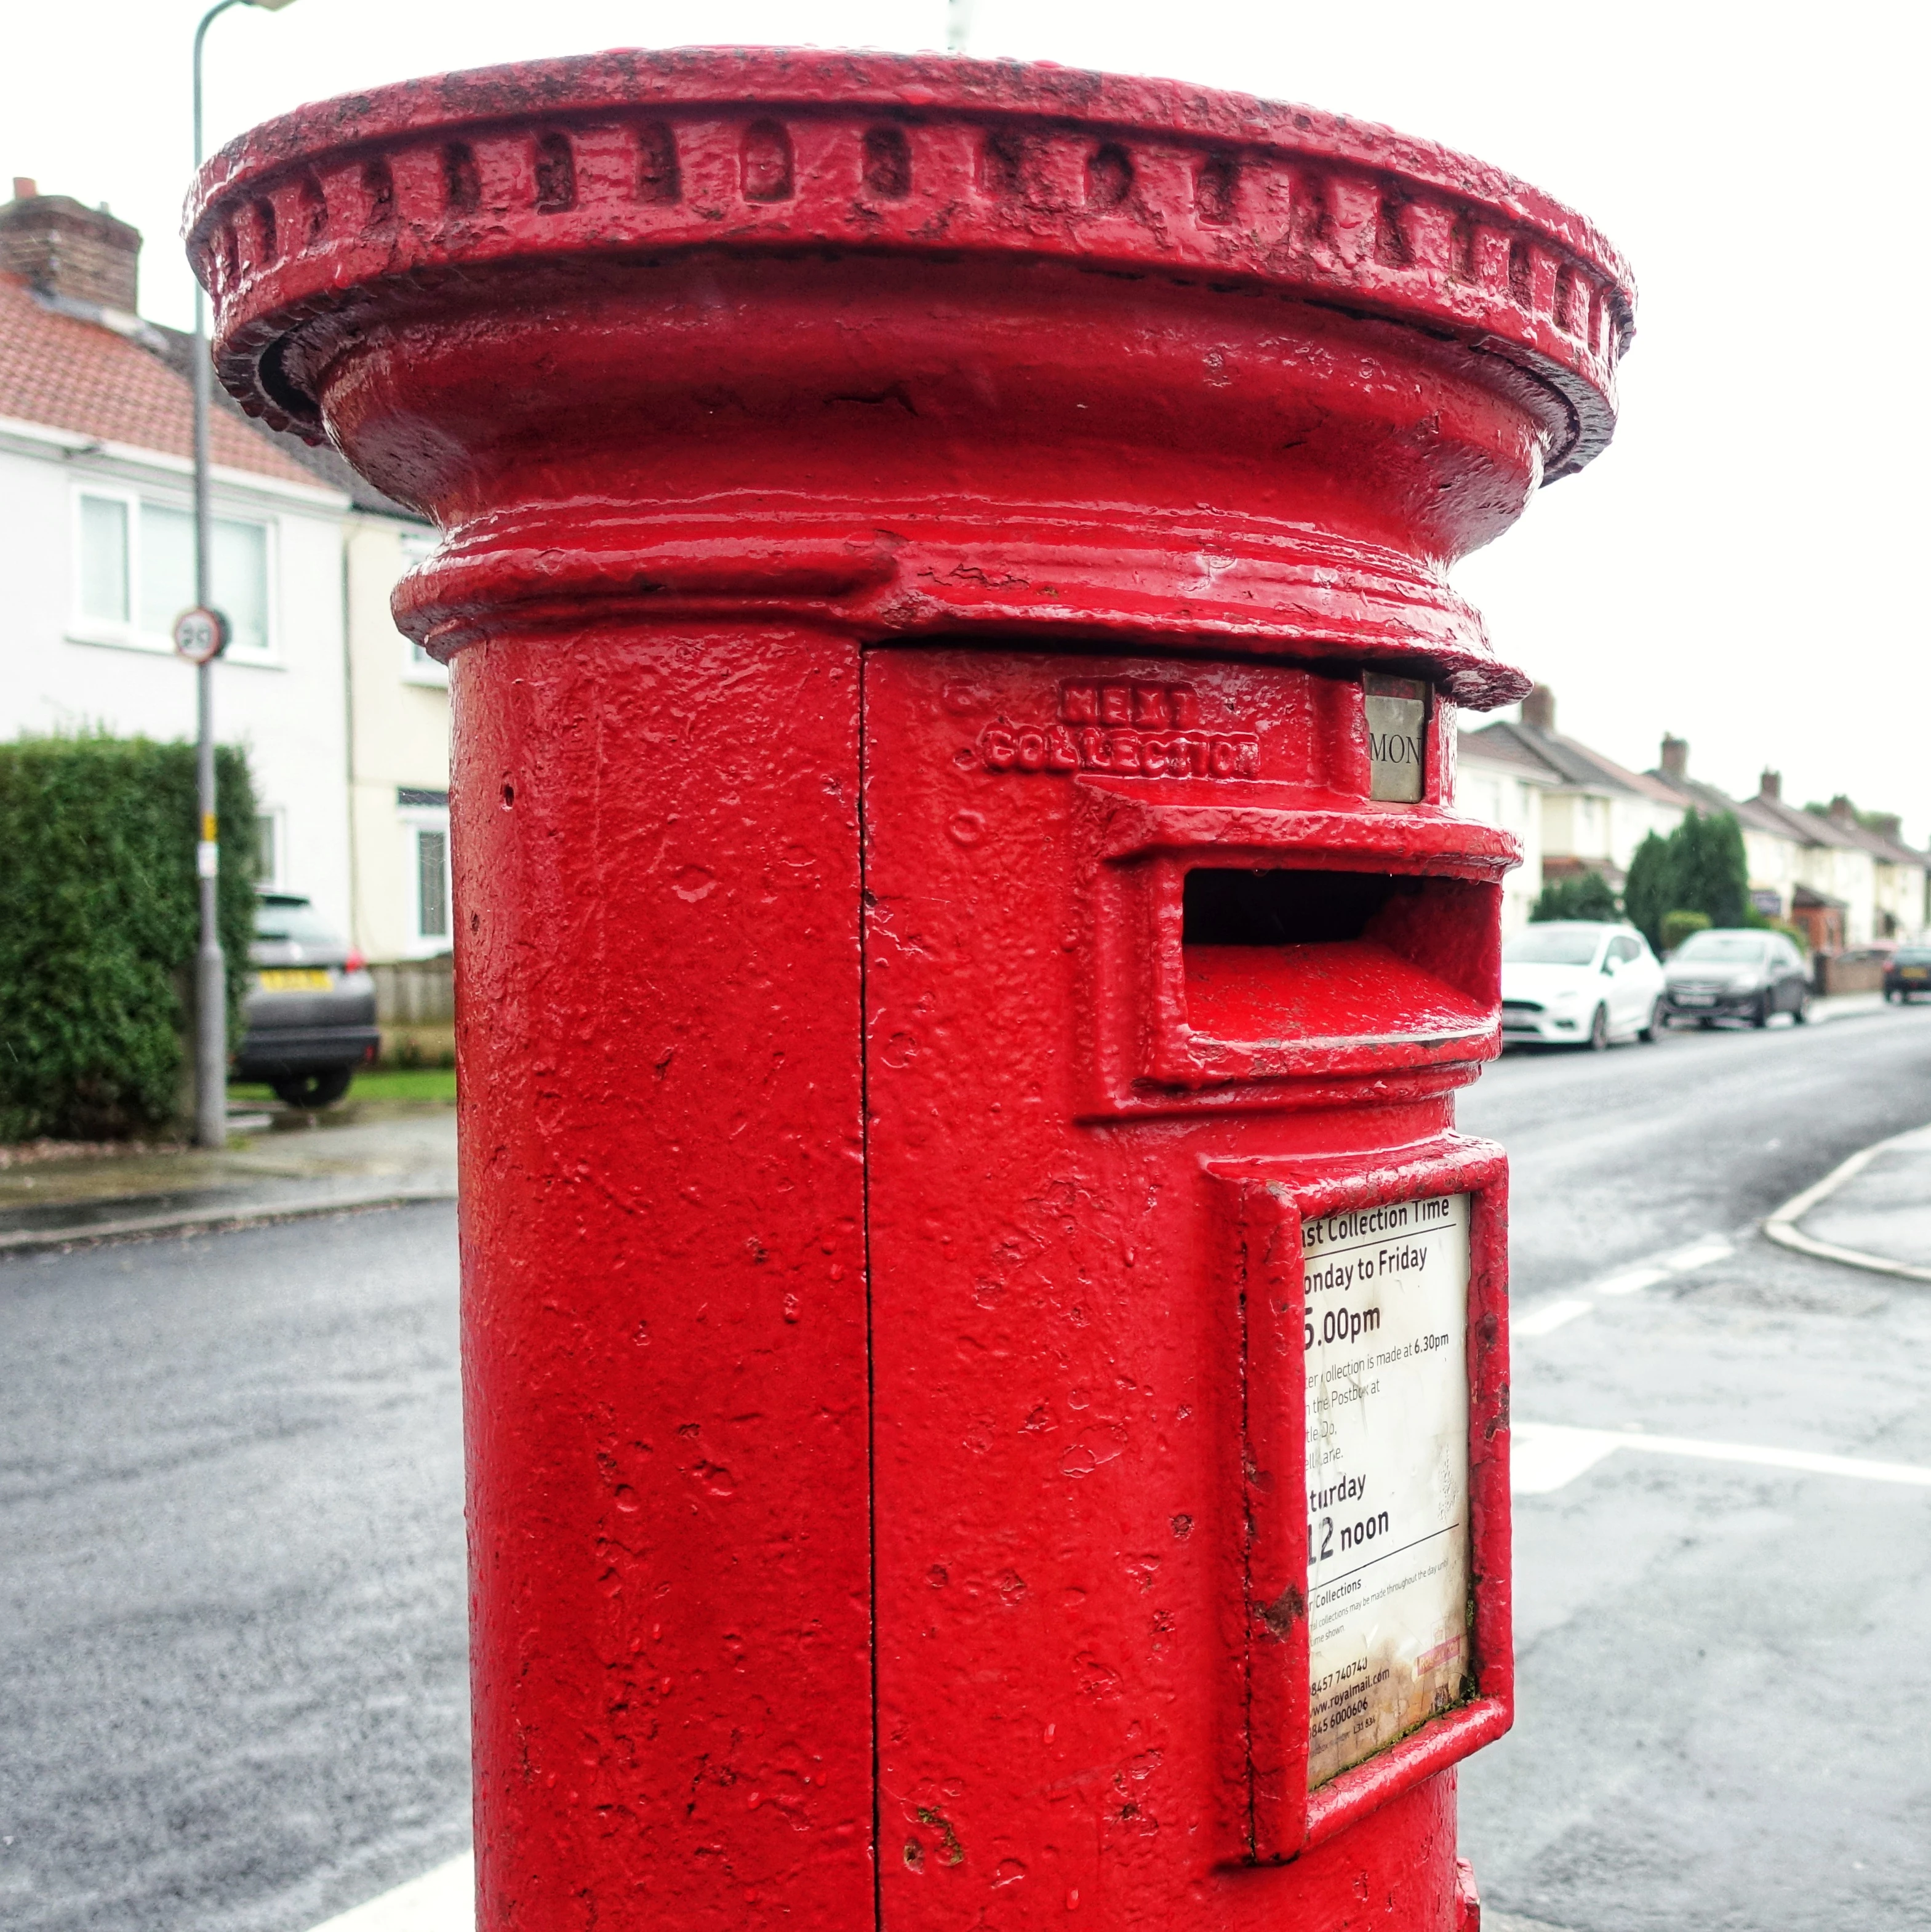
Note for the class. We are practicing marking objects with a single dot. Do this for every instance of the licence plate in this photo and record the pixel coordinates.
(1912, 973)
(1695, 999)
(294, 980)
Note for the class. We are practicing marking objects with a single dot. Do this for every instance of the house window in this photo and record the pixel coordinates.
(267, 850)
(137, 573)
(432, 884)
(103, 559)
(423, 817)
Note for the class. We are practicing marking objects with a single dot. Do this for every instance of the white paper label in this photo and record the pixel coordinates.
(1387, 1474)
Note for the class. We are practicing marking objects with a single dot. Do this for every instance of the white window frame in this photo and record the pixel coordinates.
(277, 817)
(128, 635)
(419, 668)
(415, 819)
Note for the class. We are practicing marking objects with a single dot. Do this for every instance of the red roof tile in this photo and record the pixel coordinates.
(79, 376)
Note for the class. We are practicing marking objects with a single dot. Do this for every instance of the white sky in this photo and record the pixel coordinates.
(1737, 569)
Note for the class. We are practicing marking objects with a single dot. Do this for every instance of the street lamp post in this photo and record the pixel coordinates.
(211, 988)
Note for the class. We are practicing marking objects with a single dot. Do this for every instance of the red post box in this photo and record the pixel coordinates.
(984, 1351)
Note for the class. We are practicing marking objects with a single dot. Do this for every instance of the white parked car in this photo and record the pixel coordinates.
(1579, 982)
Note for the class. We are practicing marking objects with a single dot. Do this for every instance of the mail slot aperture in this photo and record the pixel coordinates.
(1253, 955)
(1284, 967)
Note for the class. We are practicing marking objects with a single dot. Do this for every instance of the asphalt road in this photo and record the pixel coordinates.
(232, 1603)
(1724, 1681)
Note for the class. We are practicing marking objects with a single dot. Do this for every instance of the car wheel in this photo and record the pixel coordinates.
(1599, 1031)
(1761, 1017)
(1801, 1013)
(1658, 1019)
(310, 1091)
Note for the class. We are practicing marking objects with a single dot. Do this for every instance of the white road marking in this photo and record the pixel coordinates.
(1630, 1280)
(1548, 1316)
(1698, 1254)
(1545, 1456)
(441, 1901)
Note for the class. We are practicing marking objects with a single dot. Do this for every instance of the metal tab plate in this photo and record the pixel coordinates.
(1397, 717)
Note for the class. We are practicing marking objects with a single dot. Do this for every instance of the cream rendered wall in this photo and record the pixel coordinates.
(1771, 863)
(286, 706)
(1898, 890)
(1558, 823)
(399, 713)
(1848, 873)
(1632, 819)
(1503, 795)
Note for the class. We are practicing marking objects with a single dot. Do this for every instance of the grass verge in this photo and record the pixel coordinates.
(392, 1083)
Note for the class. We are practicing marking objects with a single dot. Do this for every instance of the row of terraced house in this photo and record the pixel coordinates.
(347, 722)
(1846, 880)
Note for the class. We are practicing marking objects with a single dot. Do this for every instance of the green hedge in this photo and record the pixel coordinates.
(1678, 925)
(1591, 896)
(99, 922)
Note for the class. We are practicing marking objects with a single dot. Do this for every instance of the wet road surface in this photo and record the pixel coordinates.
(232, 1615)
(1724, 1685)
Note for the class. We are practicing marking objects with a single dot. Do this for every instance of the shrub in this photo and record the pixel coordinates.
(1589, 897)
(99, 922)
(1678, 925)
(1699, 867)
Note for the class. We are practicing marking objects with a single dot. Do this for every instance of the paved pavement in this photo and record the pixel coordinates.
(1874, 1211)
(231, 1625)
(374, 1154)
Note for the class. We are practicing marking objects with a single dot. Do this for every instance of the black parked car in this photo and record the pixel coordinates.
(310, 1016)
(1735, 973)
(1909, 974)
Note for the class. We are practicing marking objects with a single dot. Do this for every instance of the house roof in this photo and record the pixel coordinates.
(1890, 850)
(1573, 764)
(1693, 793)
(324, 463)
(1807, 828)
(1765, 813)
(90, 371)
(1486, 748)
(1707, 798)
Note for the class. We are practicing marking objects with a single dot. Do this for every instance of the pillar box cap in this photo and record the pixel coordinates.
(536, 184)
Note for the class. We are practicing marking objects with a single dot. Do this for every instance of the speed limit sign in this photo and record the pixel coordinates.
(200, 634)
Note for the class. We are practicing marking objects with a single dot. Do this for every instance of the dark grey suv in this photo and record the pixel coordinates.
(1735, 973)
(310, 1019)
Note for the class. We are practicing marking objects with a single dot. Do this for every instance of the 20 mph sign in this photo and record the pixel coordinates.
(200, 634)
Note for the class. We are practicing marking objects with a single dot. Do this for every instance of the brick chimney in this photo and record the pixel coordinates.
(1843, 812)
(1539, 709)
(1888, 825)
(65, 249)
(1675, 757)
(1770, 785)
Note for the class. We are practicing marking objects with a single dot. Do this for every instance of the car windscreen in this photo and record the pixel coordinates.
(1553, 946)
(1911, 955)
(293, 921)
(1729, 948)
